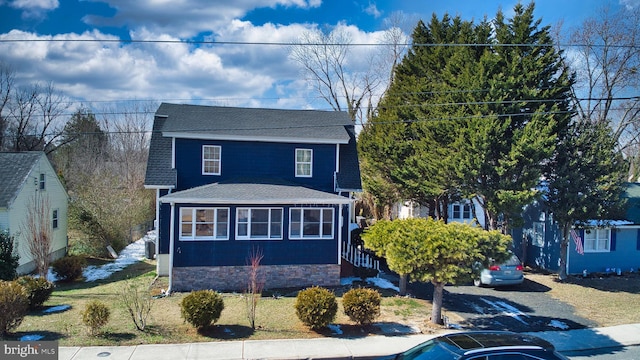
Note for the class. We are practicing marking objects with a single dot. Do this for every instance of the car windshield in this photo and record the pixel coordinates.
(427, 350)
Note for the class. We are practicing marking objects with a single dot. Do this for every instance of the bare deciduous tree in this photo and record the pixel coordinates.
(607, 62)
(254, 286)
(38, 228)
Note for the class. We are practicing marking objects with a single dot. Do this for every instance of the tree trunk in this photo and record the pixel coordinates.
(403, 284)
(564, 249)
(436, 310)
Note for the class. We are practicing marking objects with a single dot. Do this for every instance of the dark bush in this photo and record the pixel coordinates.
(362, 305)
(8, 258)
(38, 290)
(68, 268)
(316, 307)
(364, 273)
(13, 306)
(95, 316)
(202, 308)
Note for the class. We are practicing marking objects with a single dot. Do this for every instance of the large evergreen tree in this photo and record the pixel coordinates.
(586, 180)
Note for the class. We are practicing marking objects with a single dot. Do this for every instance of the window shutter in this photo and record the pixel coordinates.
(613, 239)
(581, 233)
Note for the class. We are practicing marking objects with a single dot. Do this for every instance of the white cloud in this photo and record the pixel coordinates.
(372, 10)
(630, 4)
(185, 18)
(35, 4)
(34, 9)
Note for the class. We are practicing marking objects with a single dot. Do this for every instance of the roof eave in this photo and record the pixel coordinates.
(204, 136)
(305, 201)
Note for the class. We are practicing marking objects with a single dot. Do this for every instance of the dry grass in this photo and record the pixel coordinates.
(606, 300)
(276, 318)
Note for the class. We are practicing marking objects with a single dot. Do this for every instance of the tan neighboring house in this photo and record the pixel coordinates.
(25, 176)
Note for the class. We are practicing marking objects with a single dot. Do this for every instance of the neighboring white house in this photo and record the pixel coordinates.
(461, 211)
(25, 176)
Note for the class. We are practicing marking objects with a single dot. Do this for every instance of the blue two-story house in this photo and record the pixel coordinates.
(232, 182)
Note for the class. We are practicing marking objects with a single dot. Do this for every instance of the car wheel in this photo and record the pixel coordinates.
(477, 282)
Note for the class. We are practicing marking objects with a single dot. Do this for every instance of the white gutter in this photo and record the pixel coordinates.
(171, 244)
(340, 225)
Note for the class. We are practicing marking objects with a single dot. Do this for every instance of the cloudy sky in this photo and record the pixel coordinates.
(164, 50)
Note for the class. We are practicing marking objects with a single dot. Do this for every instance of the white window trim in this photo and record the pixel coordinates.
(322, 236)
(42, 182)
(303, 162)
(461, 205)
(205, 160)
(55, 219)
(268, 237)
(596, 250)
(193, 237)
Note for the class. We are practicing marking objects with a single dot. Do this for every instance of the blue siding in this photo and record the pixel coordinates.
(164, 225)
(625, 256)
(234, 252)
(254, 160)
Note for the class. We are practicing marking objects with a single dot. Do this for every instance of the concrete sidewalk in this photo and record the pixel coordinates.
(333, 348)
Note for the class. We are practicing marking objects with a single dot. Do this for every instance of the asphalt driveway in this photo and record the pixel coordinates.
(523, 308)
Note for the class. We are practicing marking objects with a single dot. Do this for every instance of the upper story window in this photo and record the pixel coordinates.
(304, 162)
(204, 223)
(461, 211)
(42, 182)
(312, 223)
(259, 223)
(211, 159)
(597, 240)
(54, 219)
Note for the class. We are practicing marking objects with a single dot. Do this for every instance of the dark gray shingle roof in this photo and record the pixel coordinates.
(254, 191)
(14, 170)
(159, 171)
(348, 177)
(256, 123)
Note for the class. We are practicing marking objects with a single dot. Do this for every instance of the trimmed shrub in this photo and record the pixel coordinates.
(68, 268)
(95, 316)
(201, 308)
(13, 306)
(38, 290)
(316, 307)
(8, 258)
(362, 305)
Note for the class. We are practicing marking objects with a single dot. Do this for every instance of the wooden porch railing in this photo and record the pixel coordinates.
(358, 257)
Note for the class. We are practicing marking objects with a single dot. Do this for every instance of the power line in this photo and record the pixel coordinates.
(290, 44)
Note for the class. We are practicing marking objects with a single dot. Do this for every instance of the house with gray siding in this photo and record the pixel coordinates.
(232, 182)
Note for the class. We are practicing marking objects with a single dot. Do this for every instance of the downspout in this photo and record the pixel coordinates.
(171, 244)
(340, 226)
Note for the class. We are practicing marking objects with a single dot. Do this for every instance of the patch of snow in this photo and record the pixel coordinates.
(558, 324)
(56, 309)
(507, 309)
(376, 281)
(455, 326)
(335, 329)
(131, 254)
(31, 337)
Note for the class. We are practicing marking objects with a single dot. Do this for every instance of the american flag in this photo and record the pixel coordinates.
(576, 238)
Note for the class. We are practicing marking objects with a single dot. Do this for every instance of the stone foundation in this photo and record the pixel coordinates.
(236, 278)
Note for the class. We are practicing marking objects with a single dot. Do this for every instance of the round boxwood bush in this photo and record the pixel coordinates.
(13, 306)
(68, 268)
(316, 307)
(38, 290)
(362, 305)
(201, 308)
(95, 316)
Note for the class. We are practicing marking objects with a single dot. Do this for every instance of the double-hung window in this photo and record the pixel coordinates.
(304, 162)
(461, 211)
(204, 223)
(311, 223)
(42, 181)
(259, 223)
(211, 159)
(54, 219)
(597, 240)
